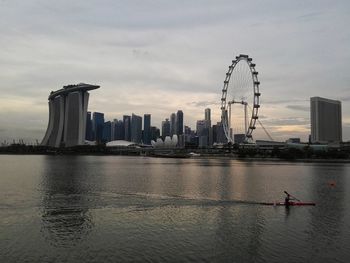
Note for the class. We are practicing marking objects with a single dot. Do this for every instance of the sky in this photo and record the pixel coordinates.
(158, 56)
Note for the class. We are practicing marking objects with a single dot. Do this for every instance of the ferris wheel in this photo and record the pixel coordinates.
(240, 99)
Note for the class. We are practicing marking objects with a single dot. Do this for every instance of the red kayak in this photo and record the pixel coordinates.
(291, 203)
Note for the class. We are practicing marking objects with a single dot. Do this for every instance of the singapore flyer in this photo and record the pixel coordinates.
(240, 101)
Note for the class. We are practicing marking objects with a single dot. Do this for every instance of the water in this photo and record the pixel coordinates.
(134, 209)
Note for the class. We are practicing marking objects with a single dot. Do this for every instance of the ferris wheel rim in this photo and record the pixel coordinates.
(256, 98)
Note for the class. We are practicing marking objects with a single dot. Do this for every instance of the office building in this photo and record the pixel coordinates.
(188, 130)
(202, 133)
(219, 133)
(67, 116)
(188, 134)
(127, 128)
(89, 135)
(118, 130)
(326, 120)
(106, 132)
(155, 133)
(165, 128)
(179, 122)
(98, 120)
(181, 140)
(173, 128)
(136, 128)
(207, 116)
(113, 125)
(201, 128)
(147, 129)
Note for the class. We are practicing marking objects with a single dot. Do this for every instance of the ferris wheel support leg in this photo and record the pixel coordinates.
(229, 116)
(245, 118)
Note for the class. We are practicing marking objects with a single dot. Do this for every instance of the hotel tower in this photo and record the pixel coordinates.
(67, 116)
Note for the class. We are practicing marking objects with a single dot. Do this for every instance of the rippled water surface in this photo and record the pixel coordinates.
(117, 209)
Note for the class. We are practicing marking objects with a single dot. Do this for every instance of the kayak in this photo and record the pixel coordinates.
(291, 203)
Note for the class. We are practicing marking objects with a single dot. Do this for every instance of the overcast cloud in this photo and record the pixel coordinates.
(153, 56)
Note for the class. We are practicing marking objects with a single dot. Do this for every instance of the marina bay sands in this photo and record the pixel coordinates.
(67, 115)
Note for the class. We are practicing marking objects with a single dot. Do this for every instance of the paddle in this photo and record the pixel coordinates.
(292, 196)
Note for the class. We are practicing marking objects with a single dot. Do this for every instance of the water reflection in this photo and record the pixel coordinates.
(111, 208)
(236, 231)
(327, 219)
(65, 205)
(239, 233)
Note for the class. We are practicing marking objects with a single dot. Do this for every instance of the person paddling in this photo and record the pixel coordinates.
(288, 198)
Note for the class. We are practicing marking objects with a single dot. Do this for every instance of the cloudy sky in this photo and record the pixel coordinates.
(158, 56)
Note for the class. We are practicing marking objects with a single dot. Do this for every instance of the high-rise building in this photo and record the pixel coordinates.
(89, 135)
(106, 133)
(179, 122)
(219, 132)
(201, 127)
(136, 128)
(188, 130)
(155, 133)
(98, 120)
(127, 127)
(147, 129)
(113, 125)
(165, 128)
(202, 132)
(188, 134)
(181, 141)
(67, 116)
(118, 130)
(215, 136)
(173, 128)
(207, 116)
(326, 120)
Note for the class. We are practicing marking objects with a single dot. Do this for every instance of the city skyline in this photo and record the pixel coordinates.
(159, 57)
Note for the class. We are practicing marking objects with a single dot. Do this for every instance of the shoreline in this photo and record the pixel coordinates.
(204, 156)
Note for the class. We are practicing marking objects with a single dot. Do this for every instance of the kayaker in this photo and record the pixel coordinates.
(287, 199)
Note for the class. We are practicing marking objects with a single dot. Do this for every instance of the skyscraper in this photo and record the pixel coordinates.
(127, 127)
(173, 128)
(106, 132)
(207, 116)
(147, 129)
(98, 121)
(201, 127)
(155, 133)
(67, 115)
(118, 130)
(179, 122)
(326, 120)
(113, 125)
(89, 133)
(165, 128)
(188, 130)
(220, 133)
(136, 128)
